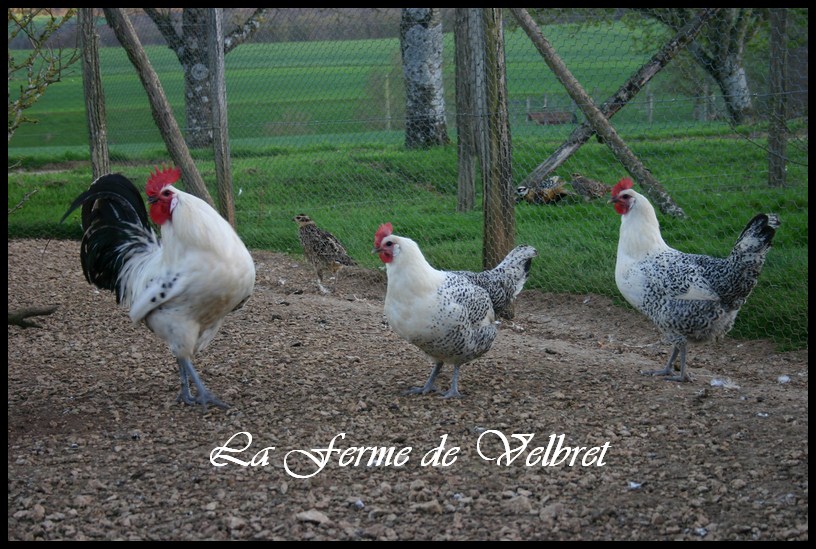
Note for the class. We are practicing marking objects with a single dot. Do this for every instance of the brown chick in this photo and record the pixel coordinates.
(589, 188)
(323, 250)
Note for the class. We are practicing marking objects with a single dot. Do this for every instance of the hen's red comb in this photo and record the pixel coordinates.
(385, 230)
(160, 179)
(622, 185)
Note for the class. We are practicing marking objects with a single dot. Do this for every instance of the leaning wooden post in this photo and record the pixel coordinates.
(596, 118)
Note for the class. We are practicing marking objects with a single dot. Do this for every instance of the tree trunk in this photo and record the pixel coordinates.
(94, 94)
(421, 46)
(719, 51)
(734, 85)
(159, 106)
(625, 93)
(195, 61)
(190, 47)
(595, 117)
(499, 195)
(221, 147)
(469, 43)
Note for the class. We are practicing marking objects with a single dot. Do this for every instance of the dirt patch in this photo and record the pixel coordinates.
(98, 448)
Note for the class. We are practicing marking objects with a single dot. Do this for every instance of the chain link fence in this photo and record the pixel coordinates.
(317, 125)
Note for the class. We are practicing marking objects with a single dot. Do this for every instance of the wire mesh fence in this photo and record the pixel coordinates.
(319, 117)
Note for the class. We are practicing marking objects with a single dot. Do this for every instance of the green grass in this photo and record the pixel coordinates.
(351, 189)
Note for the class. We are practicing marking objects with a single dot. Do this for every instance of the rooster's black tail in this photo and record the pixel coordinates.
(116, 227)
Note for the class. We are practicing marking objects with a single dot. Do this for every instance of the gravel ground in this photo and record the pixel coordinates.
(98, 448)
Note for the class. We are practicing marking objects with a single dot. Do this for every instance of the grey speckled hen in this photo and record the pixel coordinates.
(448, 315)
(689, 297)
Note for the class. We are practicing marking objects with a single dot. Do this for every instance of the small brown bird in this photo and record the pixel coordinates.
(549, 191)
(588, 188)
(323, 250)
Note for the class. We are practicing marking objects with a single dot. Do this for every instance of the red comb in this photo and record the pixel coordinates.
(160, 179)
(622, 185)
(385, 230)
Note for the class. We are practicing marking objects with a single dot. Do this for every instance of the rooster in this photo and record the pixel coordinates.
(689, 297)
(181, 286)
(449, 315)
(323, 250)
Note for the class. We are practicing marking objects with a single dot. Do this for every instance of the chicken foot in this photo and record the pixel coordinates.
(453, 392)
(429, 385)
(669, 369)
(203, 397)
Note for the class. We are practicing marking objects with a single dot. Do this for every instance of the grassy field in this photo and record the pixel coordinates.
(361, 187)
(328, 87)
(309, 134)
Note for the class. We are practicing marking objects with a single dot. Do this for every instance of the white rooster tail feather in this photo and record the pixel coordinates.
(116, 228)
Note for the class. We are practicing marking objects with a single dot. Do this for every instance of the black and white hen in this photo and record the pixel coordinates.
(689, 297)
(447, 314)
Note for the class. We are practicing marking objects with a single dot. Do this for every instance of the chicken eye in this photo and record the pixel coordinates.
(166, 193)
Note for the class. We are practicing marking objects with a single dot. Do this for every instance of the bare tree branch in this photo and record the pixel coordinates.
(22, 201)
(42, 65)
(18, 318)
(164, 23)
(245, 31)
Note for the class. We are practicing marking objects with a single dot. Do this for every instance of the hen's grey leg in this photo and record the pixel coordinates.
(429, 385)
(682, 376)
(668, 370)
(453, 392)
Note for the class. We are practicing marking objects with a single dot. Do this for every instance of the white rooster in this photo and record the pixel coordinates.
(447, 314)
(183, 286)
(689, 297)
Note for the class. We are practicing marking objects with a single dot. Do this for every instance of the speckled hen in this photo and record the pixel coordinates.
(444, 313)
(689, 297)
(181, 286)
(323, 250)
